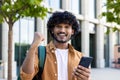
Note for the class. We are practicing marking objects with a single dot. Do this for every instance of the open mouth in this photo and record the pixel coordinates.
(62, 35)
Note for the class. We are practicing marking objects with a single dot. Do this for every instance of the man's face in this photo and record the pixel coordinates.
(62, 33)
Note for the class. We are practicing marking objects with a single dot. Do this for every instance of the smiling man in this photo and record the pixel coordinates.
(62, 59)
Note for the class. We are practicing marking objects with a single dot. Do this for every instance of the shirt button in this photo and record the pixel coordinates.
(55, 62)
(52, 51)
(55, 74)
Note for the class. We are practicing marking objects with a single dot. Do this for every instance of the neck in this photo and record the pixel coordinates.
(61, 45)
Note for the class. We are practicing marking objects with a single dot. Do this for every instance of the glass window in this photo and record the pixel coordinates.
(91, 28)
(56, 4)
(105, 30)
(103, 5)
(116, 37)
(75, 6)
(106, 47)
(24, 30)
(103, 9)
(91, 8)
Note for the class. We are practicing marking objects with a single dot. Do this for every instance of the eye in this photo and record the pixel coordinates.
(67, 27)
(58, 26)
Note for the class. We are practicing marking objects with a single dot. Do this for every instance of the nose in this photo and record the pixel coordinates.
(62, 29)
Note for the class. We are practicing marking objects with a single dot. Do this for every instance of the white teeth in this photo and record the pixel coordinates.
(62, 34)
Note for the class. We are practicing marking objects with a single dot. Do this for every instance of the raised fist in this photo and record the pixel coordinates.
(38, 38)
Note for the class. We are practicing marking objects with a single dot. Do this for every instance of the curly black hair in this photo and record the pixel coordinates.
(63, 17)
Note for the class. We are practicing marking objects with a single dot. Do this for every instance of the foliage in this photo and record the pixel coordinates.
(113, 13)
(12, 10)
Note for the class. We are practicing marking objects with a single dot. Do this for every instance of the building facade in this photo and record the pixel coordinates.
(91, 41)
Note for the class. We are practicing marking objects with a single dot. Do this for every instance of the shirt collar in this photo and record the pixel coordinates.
(52, 47)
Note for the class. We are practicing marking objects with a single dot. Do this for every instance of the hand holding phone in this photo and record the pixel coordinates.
(85, 61)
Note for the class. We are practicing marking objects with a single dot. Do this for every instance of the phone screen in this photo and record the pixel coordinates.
(85, 61)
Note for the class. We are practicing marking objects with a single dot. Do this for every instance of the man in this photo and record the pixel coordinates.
(62, 59)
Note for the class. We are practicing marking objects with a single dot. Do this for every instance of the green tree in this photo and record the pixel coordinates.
(113, 13)
(11, 11)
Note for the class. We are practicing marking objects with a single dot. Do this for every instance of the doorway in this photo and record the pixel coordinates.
(76, 42)
(92, 49)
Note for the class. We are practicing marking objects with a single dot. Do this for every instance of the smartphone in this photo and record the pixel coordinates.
(85, 61)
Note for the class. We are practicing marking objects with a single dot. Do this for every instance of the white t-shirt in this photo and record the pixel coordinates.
(62, 62)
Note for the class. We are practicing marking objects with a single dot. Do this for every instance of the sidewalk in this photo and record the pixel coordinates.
(102, 74)
(6, 79)
(105, 74)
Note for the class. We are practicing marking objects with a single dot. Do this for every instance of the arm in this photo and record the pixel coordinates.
(28, 64)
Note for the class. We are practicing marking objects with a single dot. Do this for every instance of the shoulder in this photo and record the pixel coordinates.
(78, 53)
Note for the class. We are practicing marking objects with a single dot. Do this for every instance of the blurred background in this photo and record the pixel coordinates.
(92, 39)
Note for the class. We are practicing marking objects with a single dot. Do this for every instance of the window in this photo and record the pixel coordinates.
(75, 6)
(116, 37)
(56, 4)
(103, 9)
(24, 31)
(92, 8)
(91, 28)
(106, 46)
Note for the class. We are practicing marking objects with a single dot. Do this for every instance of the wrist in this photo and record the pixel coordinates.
(35, 44)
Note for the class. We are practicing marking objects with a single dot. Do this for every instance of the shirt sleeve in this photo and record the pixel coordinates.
(25, 76)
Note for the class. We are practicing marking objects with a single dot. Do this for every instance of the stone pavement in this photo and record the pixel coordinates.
(105, 74)
(102, 74)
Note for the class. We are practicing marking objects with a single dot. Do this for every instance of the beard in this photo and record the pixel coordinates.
(60, 41)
